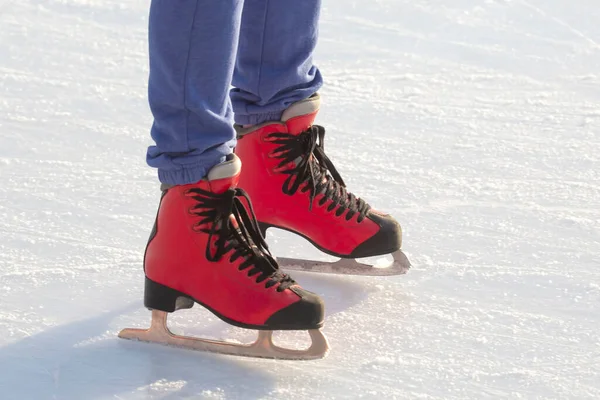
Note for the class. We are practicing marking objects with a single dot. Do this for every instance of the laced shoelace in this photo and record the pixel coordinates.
(312, 166)
(245, 240)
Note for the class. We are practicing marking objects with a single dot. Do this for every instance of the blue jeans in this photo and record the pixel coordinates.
(199, 49)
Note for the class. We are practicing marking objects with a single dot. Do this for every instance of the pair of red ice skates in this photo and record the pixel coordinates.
(208, 242)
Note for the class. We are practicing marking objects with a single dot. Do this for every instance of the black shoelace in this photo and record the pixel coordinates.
(313, 167)
(245, 240)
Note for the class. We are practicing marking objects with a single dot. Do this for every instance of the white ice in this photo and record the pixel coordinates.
(475, 122)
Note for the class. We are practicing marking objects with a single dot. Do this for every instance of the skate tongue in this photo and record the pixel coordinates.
(226, 175)
(301, 115)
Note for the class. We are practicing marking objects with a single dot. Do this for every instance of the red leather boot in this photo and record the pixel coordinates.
(206, 248)
(294, 186)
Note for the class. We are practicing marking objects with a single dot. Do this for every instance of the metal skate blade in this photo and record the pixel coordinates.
(263, 347)
(348, 266)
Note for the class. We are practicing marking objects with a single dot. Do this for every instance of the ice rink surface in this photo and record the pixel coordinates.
(475, 122)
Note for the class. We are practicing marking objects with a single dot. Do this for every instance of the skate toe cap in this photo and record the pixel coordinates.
(307, 313)
(387, 240)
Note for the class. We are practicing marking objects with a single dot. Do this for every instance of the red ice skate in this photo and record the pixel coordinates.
(206, 248)
(295, 187)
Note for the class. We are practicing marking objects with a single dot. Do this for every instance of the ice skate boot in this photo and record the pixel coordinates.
(206, 248)
(295, 187)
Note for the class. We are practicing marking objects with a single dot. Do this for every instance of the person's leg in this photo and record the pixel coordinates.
(274, 67)
(196, 252)
(193, 44)
(293, 183)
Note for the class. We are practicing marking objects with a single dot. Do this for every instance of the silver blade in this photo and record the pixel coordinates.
(348, 266)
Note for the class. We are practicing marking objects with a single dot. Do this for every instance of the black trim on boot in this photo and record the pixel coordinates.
(387, 240)
(308, 312)
(163, 298)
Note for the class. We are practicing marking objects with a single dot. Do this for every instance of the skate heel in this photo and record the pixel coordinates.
(163, 298)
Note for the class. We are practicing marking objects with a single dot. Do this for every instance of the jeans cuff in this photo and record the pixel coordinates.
(255, 119)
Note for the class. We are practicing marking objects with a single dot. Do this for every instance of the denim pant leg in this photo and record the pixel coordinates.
(193, 45)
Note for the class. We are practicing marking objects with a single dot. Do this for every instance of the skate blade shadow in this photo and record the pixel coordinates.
(81, 360)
